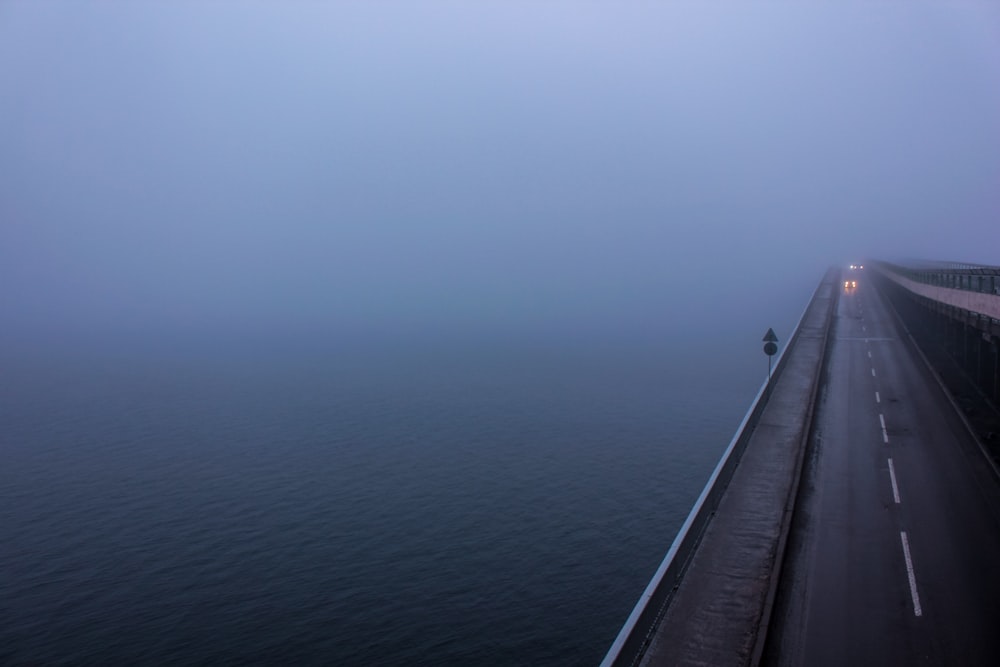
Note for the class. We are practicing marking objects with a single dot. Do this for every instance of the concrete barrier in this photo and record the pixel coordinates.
(637, 631)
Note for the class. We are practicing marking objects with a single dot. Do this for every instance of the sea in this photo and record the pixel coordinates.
(493, 501)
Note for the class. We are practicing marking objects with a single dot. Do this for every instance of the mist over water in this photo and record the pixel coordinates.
(409, 333)
(436, 505)
(180, 169)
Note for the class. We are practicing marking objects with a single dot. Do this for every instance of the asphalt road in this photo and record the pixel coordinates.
(894, 554)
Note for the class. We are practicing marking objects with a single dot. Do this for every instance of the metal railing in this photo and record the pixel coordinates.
(953, 275)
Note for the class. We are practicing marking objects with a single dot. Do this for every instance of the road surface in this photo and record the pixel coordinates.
(894, 555)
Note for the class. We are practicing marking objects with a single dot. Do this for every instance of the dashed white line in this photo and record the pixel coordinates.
(917, 611)
(892, 477)
(885, 436)
(878, 399)
(873, 372)
(881, 419)
(869, 354)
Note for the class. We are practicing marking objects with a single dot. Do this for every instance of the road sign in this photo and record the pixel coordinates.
(770, 343)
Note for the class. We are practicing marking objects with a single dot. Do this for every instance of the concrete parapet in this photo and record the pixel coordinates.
(708, 599)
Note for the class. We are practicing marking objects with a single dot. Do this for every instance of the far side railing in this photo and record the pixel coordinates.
(953, 275)
(976, 291)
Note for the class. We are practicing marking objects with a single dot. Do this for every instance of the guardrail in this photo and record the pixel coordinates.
(938, 265)
(634, 636)
(966, 277)
(978, 295)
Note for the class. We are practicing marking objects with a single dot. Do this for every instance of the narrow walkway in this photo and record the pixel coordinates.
(714, 615)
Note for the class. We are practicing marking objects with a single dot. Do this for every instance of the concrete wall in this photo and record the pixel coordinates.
(797, 374)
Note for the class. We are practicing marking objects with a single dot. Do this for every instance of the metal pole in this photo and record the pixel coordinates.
(768, 391)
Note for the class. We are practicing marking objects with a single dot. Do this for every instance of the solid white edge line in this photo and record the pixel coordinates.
(892, 477)
(881, 419)
(878, 399)
(917, 611)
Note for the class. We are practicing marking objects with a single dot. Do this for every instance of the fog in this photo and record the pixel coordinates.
(514, 168)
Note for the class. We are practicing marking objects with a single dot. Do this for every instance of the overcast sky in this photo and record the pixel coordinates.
(327, 166)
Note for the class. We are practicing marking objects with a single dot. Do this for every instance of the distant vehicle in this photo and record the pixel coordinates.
(857, 266)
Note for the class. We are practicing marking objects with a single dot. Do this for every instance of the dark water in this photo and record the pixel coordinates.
(362, 503)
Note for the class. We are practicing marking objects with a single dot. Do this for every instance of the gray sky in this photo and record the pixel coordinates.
(506, 166)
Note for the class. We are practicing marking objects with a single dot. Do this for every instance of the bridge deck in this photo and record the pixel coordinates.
(890, 458)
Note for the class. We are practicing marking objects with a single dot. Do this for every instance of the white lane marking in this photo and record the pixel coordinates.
(917, 611)
(881, 420)
(866, 339)
(869, 354)
(863, 328)
(892, 477)
(885, 436)
(878, 399)
(873, 372)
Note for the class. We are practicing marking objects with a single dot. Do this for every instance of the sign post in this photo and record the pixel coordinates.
(770, 348)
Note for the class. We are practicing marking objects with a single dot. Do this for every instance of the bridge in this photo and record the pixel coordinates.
(855, 516)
